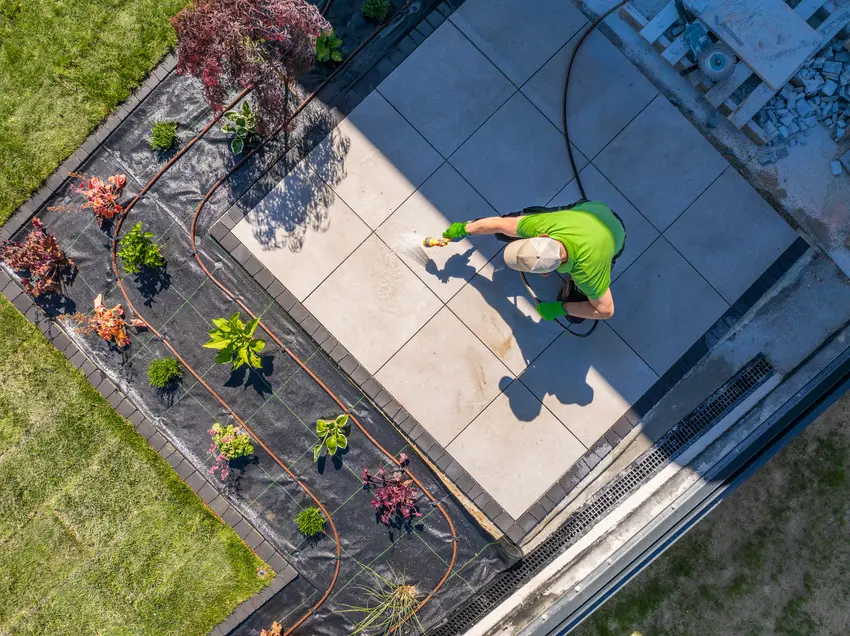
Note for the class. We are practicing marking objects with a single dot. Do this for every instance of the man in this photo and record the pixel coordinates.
(581, 240)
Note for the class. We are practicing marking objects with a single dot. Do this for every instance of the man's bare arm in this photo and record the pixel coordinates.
(494, 224)
(601, 308)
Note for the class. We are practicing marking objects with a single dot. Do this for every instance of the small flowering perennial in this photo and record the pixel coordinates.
(228, 443)
(395, 497)
(107, 323)
(102, 197)
(41, 257)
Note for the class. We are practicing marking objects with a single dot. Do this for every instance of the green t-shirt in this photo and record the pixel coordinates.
(592, 235)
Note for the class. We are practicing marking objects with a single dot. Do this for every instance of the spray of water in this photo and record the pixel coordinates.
(409, 245)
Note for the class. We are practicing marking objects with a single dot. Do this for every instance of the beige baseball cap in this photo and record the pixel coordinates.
(537, 255)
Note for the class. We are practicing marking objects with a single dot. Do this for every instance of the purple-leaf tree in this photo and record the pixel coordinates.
(232, 44)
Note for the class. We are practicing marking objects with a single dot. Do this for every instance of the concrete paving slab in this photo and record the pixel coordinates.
(663, 305)
(446, 88)
(731, 235)
(517, 158)
(497, 308)
(516, 438)
(443, 199)
(372, 304)
(640, 233)
(374, 159)
(301, 231)
(444, 376)
(588, 383)
(606, 92)
(517, 37)
(660, 162)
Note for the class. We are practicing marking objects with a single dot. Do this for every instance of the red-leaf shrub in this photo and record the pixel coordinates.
(232, 44)
(41, 257)
(101, 196)
(395, 497)
(107, 323)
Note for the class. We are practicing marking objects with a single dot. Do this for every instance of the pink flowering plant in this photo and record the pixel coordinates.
(394, 495)
(228, 443)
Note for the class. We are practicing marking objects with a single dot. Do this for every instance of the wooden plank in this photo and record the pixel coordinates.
(754, 102)
(806, 9)
(830, 27)
(630, 14)
(660, 23)
(768, 35)
(676, 51)
(721, 91)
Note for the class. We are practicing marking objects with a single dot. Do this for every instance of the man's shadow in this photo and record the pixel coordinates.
(565, 379)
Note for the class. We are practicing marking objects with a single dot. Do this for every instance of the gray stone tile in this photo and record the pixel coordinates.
(443, 199)
(446, 88)
(517, 158)
(731, 235)
(301, 231)
(640, 233)
(373, 304)
(606, 92)
(588, 383)
(498, 309)
(444, 376)
(374, 159)
(516, 440)
(662, 305)
(517, 37)
(660, 162)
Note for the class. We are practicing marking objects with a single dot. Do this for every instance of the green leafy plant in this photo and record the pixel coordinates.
(137, 250)
(242, 123)
(375, 9)
(331, 434)
(310, 521)
(327, 47)
(235, 342)
(163, 135)
(389, 606)
(162, 372)
(228, 443)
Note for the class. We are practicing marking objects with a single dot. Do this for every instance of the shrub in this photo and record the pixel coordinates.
(109, 324)
(232, 44)
(243, 124)
(310, 521)
(375, 9)
(275, 630)
(138, 250)
(228, 443)
(331, 434)
(102, 197)
(163, 135)
(395, 497)
(163, 371)
(235, 343)
(390, 602)
(41, 257)
(327, 47)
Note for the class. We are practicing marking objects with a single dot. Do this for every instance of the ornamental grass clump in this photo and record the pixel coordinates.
(137, 250)
(376, 10)
(163, 372)
(390, 606)
(46, 266)
(331, 434)
(163, 135)
(310, 521)
(235, 342)
(228, 443)
(394, 495)
(107, 323)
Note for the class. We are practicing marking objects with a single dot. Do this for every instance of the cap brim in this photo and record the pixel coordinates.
(510, 254)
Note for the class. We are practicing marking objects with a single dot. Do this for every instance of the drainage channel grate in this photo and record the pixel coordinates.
(682, 435)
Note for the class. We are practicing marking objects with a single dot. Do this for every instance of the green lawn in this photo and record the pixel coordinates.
(65, 64)
(97, 534)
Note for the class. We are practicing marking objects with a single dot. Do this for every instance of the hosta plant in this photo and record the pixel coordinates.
(390, 605)
(331, 434)
(327, 47)
(137, 249)
(228, 443)
(44, 262)
(394, 495)
(235, 342)
(375, 9)
(107, 323)
(163, 372)
(163, 135)
(310, 521)
(102, 196)
(243, 124)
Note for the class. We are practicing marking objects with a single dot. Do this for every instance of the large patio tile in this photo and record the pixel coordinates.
(444, 376)
(661, 163)
(372, 303)
(731, 235)
(640, 233)
(498, 309)
(446, 88)
(374, 159)
(516, 35)
(301, 231)
(588, 383)
(606, 92)
(663, 305)
(443, 199)
(517, 158)
(516, 449)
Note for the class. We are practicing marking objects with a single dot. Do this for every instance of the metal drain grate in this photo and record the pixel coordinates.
(714, 408)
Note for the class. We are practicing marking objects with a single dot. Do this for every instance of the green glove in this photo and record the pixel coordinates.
(456, 231)
(551, 310)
